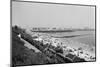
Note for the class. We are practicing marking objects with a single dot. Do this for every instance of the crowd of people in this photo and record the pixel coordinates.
(47, 39)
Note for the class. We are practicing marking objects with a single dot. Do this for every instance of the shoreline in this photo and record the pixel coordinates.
(49, 39)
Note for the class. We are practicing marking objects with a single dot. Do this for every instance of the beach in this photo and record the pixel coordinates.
(81, 44)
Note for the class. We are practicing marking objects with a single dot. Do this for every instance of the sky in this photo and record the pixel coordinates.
(26, 14)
